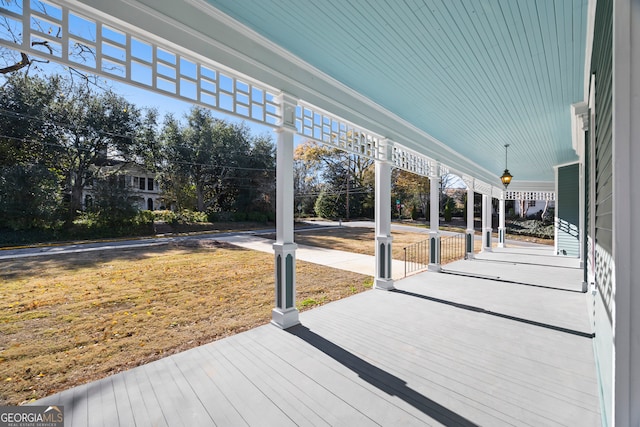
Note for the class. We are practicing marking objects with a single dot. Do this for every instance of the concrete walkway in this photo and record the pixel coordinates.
(349, 261)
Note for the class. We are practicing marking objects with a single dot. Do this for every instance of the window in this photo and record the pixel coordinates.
(150, 184)
(136, 181)
(142, 187)
(532, 203)
(121, 181)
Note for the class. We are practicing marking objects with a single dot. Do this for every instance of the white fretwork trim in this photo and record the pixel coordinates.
(604, 278)
(530, 195)
(482, 187)
(497, 193)
(321, 126)
(411, 161)
(55, 32)
(468, 181)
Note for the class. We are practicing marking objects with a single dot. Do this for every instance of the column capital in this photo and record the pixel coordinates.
(385, 153)
(288, 105)
(434, 170)
(468, 181)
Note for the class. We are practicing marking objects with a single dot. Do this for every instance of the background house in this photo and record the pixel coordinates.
(142, 183)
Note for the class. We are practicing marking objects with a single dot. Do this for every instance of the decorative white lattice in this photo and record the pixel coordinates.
(48, 31)
(318, 125)
(411, 161)
(482, 187)
(444, 170)
(604, 278)
(468, 181)
(530, 195)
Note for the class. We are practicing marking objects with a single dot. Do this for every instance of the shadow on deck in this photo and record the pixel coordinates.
(448, 349)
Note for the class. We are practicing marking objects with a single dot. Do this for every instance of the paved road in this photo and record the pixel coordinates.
(165, 240)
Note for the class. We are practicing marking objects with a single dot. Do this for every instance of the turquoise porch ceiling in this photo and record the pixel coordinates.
(475, 74)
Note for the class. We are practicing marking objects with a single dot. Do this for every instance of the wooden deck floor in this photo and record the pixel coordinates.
(442, 349)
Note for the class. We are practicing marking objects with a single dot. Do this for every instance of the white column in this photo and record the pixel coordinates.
(383, 278)
(502, 230)
(285, 313)
(486, 223)
(434, 221)
(470, 233)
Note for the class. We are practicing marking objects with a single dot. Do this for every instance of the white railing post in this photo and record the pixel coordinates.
(502, 229)
(285, 313)
(434, 219)
(469, 232)
(383, 278)
(486, 223)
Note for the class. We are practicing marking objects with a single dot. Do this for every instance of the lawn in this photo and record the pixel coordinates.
(70, 319)
(362, 240)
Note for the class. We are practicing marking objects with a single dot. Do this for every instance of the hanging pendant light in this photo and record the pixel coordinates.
(506, 176)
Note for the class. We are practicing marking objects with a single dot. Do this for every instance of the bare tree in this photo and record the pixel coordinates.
(12, 61)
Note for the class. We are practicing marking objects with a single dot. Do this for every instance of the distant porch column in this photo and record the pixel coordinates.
(434, 221)
(502, 230)
(486, 223)
(470, 233)
(285, 313)
(383, 278)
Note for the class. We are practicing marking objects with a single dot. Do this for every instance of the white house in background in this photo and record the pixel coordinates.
(141, 182)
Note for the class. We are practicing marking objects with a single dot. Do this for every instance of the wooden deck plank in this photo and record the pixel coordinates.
(123, 405)
(445, 370)
(271, 379)
(376, 397)
(442, 349)
(255, 407)
(275, 350)
(445, 383)
(331, 378)
(140, 380)
(196, 368)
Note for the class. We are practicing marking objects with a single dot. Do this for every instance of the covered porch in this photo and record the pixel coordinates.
(428, 87)
(445, 349)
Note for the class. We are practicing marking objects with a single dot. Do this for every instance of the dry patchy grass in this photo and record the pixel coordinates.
(362, 240)
(70, 319)
(359, 240)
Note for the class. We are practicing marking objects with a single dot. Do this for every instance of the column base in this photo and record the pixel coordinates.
(486, 240)
(434, 251)
(383, 284)
(469, 243)
(436, 268)
(284, 319)
(502, 233)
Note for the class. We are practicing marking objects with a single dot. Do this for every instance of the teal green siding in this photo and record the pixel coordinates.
(289, 281)
(279, 281)
(568, 210)
(602, 216)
